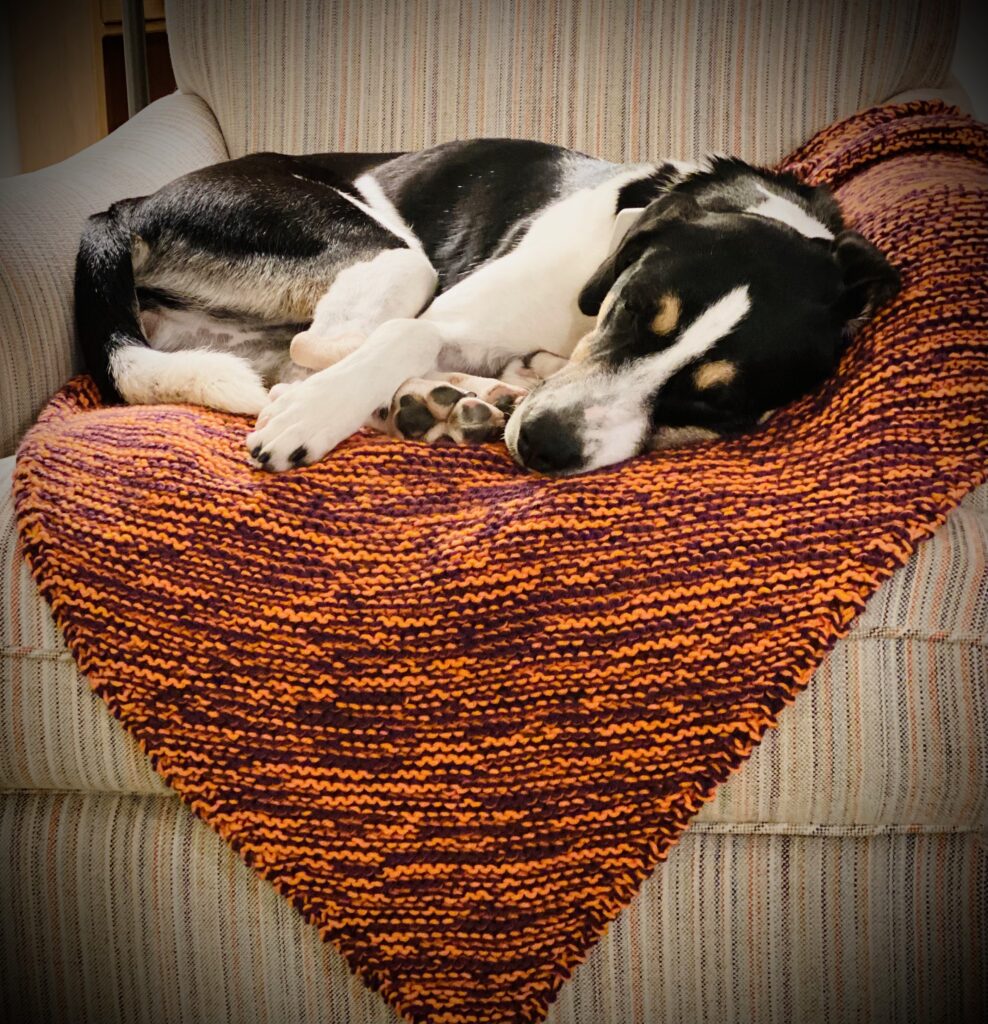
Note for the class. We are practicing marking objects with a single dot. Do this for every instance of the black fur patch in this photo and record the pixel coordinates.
(468, 200)
(413, 419)
(644, 190)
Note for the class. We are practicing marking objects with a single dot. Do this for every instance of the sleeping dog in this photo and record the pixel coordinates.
(599, 309)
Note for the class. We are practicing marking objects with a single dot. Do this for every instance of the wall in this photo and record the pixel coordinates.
(10, 158)
(971, 56)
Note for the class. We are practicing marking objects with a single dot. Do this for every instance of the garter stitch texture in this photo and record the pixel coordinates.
(455, 712)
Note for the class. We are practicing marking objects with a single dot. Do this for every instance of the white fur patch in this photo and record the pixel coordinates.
(218, 380)
(612, 407)
(495, 310)
(382, 209)
(712, 325)
(623, 422)
(623, 223)
(778, 208)
(396, 283)
(316, 414)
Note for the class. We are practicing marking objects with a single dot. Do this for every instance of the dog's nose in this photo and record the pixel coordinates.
(547, 446)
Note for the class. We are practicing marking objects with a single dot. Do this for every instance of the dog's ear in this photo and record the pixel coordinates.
(592, 295)
(671, 206)
(869, 279)
(629, 241)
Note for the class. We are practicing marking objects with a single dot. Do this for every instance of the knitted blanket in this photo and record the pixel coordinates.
(456, 712)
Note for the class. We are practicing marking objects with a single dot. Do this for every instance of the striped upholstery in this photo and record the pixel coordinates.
(623, 79)
(854, 840)
(136, 913)
(397, 725)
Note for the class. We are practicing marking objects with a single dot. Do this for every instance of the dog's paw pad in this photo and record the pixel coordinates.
(473, 410)
(474, 421)
(444, 396)
(447, 413)
(413, 418)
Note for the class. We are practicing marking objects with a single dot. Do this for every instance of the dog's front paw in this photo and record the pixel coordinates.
(300, 425)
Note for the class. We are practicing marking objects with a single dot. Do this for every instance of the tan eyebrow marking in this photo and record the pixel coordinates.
(718, 371)
(665, 320)
(139, 251)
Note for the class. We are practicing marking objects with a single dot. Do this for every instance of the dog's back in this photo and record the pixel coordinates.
(229, 262)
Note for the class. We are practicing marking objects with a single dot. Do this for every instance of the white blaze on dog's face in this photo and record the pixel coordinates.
(612, 404)
(730, 296)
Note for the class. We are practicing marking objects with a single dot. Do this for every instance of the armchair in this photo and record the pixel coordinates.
(840, 876)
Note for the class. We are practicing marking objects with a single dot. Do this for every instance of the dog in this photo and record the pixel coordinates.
(590, 310)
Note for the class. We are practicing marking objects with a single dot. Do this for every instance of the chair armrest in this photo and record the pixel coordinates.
(41, 219)
(951, 92)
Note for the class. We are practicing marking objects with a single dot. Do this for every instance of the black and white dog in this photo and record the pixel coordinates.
(599, 309)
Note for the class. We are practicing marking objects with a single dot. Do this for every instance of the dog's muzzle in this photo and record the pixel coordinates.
(578, 420)
(544, 443)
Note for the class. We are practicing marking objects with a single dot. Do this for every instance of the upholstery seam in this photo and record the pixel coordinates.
(808, 829)
(878, 633)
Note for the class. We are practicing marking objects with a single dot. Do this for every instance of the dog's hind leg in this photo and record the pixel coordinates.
(395, 284)
(218, 380)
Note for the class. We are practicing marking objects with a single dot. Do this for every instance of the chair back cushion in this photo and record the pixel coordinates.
(622, 79)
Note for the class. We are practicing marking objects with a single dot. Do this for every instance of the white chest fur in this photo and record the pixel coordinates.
(527, 299)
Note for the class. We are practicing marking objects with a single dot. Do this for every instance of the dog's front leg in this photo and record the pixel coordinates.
(313, 416)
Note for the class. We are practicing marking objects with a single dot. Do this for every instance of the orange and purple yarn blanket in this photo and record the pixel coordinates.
(455, 712)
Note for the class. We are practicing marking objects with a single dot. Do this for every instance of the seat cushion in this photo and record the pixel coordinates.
(892, 731)
(55, 733)
(97, 925)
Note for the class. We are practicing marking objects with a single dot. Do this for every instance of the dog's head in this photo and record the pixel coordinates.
(732, 293)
